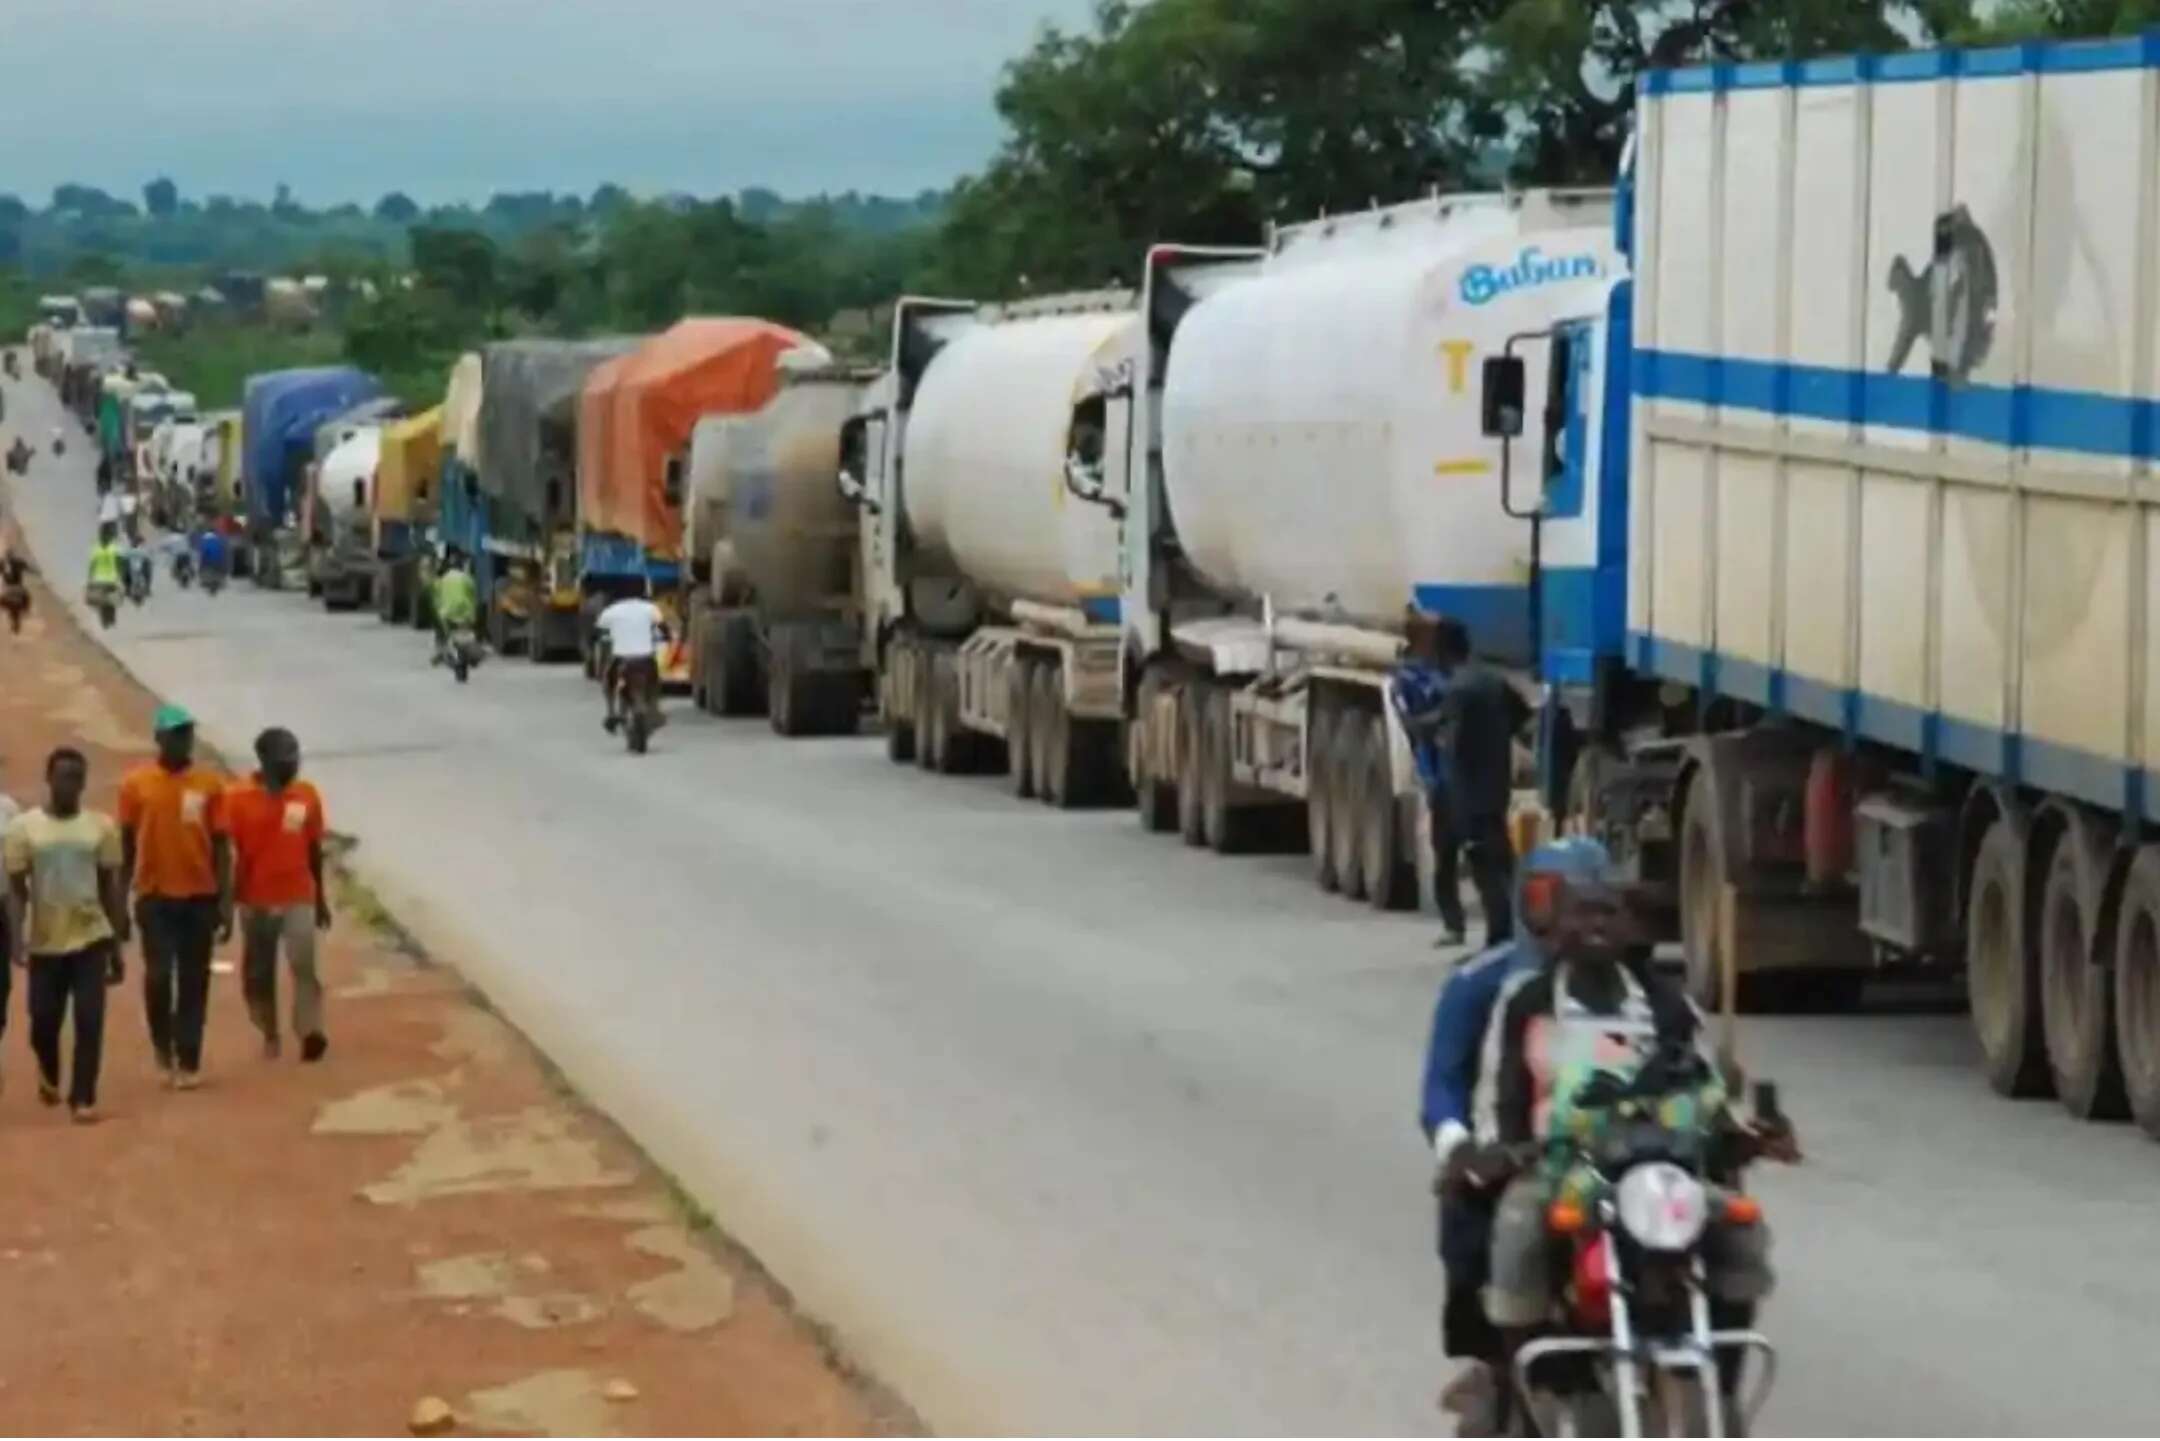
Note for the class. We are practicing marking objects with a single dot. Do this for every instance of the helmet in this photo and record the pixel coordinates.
(1549, 869)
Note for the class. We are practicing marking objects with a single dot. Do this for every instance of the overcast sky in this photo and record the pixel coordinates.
(456, 99)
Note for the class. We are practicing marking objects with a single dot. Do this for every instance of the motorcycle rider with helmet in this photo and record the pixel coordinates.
(1462, 1014)
(1595, 1007)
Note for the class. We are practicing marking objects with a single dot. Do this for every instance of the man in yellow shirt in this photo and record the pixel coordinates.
(65, 917)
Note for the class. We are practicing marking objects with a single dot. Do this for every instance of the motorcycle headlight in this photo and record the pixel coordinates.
(1662, 1207)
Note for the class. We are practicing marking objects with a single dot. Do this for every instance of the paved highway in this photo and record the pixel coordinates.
(1066, 1128)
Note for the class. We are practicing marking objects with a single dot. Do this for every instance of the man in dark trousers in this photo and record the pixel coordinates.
(1481, 715)
(64, 920)
(179, 864)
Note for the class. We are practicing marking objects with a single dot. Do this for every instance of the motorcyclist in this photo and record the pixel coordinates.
(634, 628)
(1594, 1006)
(456, 603)
(137, 568)
(211, 558)
(14, 594)
(1461, 1017)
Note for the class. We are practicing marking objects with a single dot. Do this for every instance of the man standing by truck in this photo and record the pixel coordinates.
(1482, 713)
(180, 866)
(1418, 692)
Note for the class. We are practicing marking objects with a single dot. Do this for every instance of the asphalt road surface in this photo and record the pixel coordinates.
(1067, 1128)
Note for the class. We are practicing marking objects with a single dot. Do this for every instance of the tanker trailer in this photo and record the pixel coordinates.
(1316, 468)
(776, 604)
(340, 520)
(996, 618)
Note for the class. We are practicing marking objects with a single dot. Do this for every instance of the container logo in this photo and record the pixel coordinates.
(1951, 300)
(1482, 284)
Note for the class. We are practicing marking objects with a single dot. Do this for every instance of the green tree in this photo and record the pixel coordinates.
(1561, 73)
(457, 264)
(397, 208)
(161, 197)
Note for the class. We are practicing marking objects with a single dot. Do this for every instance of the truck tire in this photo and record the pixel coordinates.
(2000, 968)
(745, 685)
(1346, 775)
(899, 741)
(1320, 817)
(1390, 874)
(1229, 827)
(2077, 1000)
(926, 717)
(1192, 760)
(783, 698)
(2137, 990)
(1053, 739)
(1019, 723)
(1702, 887)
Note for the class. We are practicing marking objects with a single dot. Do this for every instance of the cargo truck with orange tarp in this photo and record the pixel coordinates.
(635, 418)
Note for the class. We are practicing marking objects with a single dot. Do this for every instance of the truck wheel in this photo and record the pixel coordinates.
(2000, 972)
(1320, 796)
(2077, 999)
(1053, 740)
(1192, 824)
(899, 741)
(744, 691)
(1390, 876)
(1702, 888)
(1346, 779)
(1229, 828)
(926, 717)
(1019, 723)
(2137, 989)
(780, 697)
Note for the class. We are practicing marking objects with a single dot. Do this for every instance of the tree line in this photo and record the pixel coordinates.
(1198, 120)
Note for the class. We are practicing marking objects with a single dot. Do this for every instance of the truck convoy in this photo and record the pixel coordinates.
(1865, 671)
(776, 600)
(1802, 481)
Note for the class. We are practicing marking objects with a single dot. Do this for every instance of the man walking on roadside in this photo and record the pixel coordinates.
(66, 915)
(275, 821)
(180, 867)
(8, 811)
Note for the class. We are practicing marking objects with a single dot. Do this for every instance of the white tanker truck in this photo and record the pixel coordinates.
(993, 591)
(776, 616)
(1308, 462)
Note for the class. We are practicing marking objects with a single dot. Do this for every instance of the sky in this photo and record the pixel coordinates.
(452, 100)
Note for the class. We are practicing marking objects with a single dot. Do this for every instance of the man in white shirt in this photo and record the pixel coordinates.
(108, 509)
(632, 629)
(129, 504)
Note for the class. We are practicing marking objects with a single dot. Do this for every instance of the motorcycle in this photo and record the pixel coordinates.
(183, 569)
(213, 580)
(138, 582)
(463, 651)
(59, 445)
(637, 703)
(1635, 1352)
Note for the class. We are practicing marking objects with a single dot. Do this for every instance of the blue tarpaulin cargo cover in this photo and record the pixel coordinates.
(280, 412)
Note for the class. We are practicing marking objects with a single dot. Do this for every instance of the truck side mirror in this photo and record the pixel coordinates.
(1500, 409)
(672, 483)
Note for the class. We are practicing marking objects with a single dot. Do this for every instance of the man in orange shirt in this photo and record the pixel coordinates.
(179, 866)
(275, 822)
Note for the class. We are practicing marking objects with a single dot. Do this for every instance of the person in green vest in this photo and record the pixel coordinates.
(457, 602)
